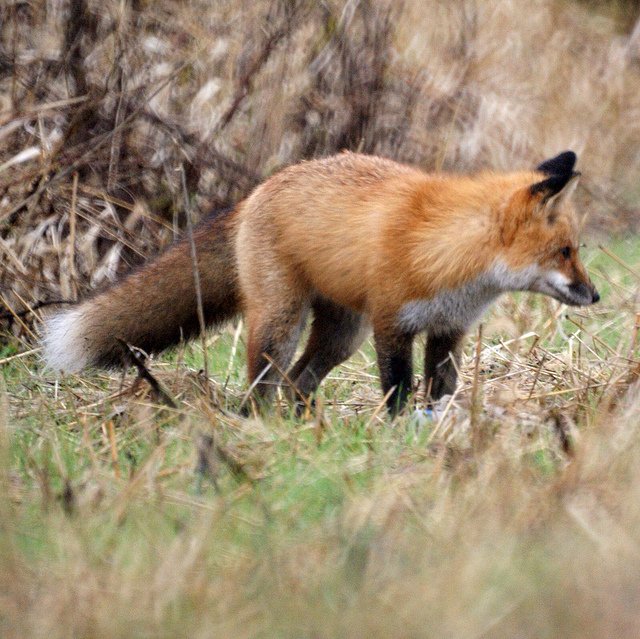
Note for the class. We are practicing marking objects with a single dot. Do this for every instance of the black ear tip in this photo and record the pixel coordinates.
(559, 165)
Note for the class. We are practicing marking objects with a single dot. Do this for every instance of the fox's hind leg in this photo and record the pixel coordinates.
(336, 333)
(441, 360)
(274, 332)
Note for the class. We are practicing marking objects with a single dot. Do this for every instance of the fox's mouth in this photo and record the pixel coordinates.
(571, 294)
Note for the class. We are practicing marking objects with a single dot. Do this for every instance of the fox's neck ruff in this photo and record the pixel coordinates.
(450, 251)
(459, 307)
(455, 231)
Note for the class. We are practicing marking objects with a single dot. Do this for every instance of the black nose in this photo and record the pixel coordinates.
(595, 297)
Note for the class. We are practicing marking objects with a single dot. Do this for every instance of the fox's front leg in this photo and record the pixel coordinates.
(394, 351)
(441, 361)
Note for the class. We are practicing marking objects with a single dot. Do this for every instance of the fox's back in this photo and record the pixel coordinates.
(365, 231)
(323, 217)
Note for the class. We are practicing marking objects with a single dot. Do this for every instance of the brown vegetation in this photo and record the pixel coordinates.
(514, 513)
(103, 106)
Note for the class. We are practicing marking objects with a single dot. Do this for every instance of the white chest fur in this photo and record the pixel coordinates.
(454, 309)
(458, 308)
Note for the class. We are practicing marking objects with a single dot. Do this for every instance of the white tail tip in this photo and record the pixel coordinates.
(65, 347)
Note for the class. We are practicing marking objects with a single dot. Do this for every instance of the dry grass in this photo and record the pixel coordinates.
(103, 104)
(514, 513)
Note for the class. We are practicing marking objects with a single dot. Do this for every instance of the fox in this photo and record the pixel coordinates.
(358, 243)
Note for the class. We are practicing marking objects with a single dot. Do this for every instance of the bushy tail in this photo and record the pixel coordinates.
(152, 308)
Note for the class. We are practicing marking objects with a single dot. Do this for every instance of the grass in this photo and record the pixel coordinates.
(122, 518)
(105, 106)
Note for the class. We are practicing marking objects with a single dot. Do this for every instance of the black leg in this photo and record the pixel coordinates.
(442, 357)
(335, 334)
(394, 352)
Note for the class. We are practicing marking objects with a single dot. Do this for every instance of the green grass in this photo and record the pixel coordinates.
(117, 520)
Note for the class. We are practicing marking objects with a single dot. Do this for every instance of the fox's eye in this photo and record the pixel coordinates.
(565, 252)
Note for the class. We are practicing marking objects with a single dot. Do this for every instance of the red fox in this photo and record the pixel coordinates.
(362, 243)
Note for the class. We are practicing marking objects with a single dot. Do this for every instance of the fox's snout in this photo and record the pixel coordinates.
(586, 292)
(573, 292)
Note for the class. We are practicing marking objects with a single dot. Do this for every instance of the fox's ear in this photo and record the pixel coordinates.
(561, 180)
(559, 165)
(555, 186)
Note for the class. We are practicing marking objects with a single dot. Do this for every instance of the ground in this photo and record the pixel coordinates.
(513, 512)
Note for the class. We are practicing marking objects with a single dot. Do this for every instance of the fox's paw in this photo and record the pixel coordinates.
(422, 417)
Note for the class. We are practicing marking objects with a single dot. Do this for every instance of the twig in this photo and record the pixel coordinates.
(442, 417)
(538, 371)
(206, 464)
(475, 393)
(379, 407)
(232, 355)
(563, 428)
(595, 338)
(251, 70)
(564, 391)
(36, 110)
(114, 448)
(621, 262)
(6, 360)
(634, 334)
(234, 466)
(13, 258)
(71, 246)
(205, 151)
(116, 140)
(132, 357)
(18, 319)
(255, 382)
(210, 451)
(31, 308)
(196, 273)
(289, 382)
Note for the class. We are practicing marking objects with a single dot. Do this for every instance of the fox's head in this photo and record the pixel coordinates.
(539, 234)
